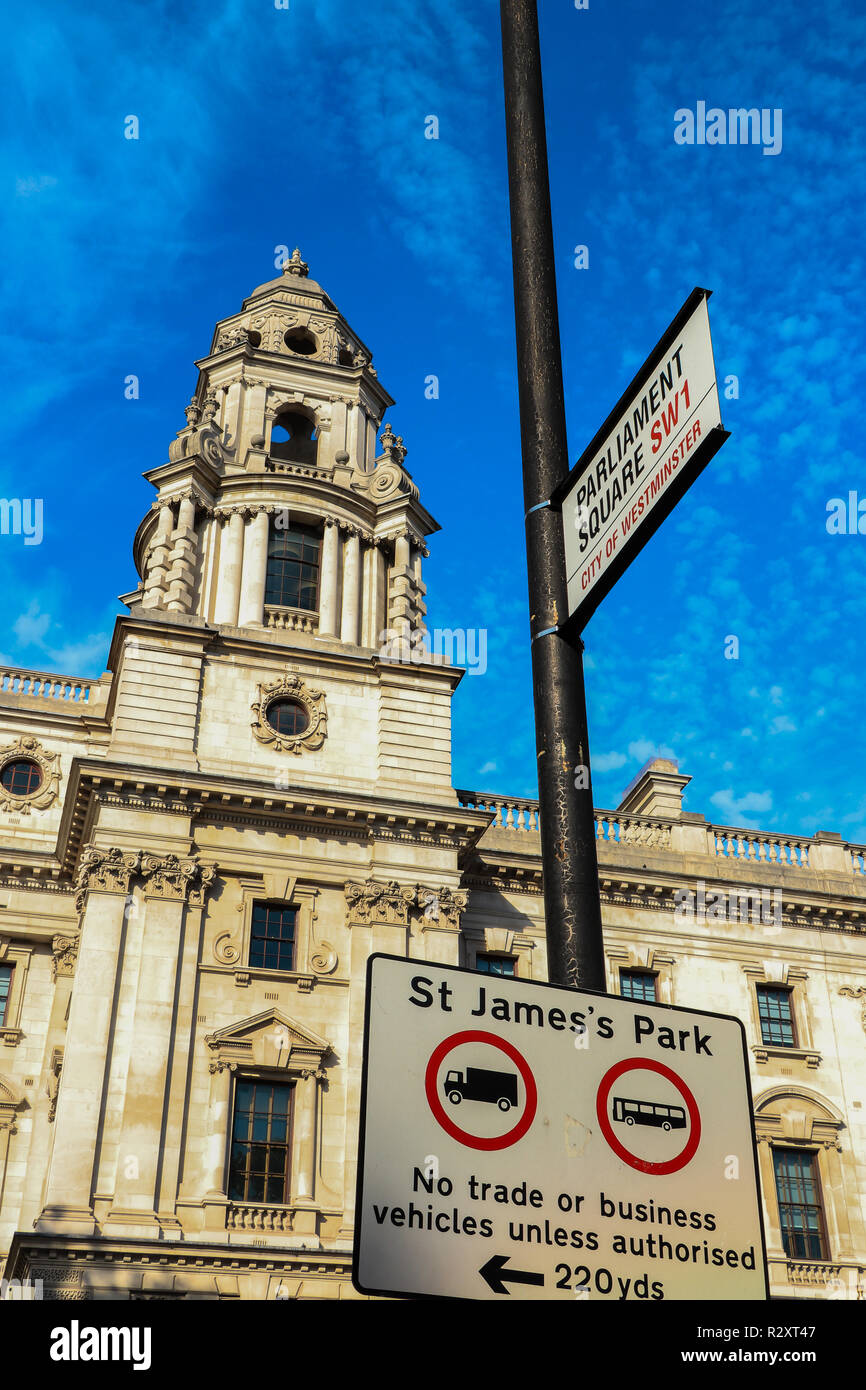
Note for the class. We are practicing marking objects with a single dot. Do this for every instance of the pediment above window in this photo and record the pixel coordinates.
(794, 1114)
(268, 1040)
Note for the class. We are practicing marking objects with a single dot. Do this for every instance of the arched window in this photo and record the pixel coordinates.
(294, 438)
(293, 567)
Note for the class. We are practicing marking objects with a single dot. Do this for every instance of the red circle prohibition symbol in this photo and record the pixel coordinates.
(671, 1165)
(474, 1141)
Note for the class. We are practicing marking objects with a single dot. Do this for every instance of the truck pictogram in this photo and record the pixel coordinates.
(493, 1087)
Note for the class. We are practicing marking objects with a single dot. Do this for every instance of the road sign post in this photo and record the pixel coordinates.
(572, 906)
(533, 1141)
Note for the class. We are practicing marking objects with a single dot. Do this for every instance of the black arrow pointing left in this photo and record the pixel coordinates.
(495, 1274)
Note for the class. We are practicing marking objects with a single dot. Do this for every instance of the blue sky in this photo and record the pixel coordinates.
(261, 127)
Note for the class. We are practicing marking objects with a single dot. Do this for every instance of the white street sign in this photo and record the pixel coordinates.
(649, 451)
(529, 1141)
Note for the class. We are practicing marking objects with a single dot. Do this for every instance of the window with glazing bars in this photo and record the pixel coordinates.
(261, 1140)
(5, 987)
(638, 984)
(801, 1214)
(292, 579)
(495, 965)
(777, 1019)
(272, 938)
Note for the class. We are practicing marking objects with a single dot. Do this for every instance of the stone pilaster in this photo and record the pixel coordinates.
(230, 565)
(103, 893)
(173, 886)
(351, 614)
(329, 580)
(251, 609)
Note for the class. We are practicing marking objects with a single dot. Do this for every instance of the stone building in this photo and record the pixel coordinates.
(200, 849)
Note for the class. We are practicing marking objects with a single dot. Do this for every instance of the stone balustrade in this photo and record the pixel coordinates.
(43, 685)
(258, 1216)
(520, 814)
(508, 813)
(755, 845)
(290, 619)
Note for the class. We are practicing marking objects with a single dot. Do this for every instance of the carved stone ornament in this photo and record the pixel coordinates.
(312, 702)
(30, 749)
(442, 905)
(860, 993)
(106, 870)
(166, 876)
(181, 880)
(379, 902)
(65, 953)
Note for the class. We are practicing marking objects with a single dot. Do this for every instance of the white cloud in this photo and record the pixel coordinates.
(643, 749)
(740, 810)
(607, 762)
(30, 627)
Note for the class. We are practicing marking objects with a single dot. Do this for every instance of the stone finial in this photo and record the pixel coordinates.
(393, 444)
(192, 412)
(295, 266)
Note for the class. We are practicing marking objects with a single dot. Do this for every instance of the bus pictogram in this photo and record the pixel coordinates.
(641, 1112)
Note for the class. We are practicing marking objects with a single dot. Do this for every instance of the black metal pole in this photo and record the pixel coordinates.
(570, 864)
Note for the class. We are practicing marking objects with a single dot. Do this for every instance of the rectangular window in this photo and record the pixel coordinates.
(638, 984)
(272, 940)
(5, 987)
(292, 579)
(495, 965)
(801, 1215)
(777, 1020)
(261, 1140)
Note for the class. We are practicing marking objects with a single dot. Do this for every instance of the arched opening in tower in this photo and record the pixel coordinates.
(294, 438)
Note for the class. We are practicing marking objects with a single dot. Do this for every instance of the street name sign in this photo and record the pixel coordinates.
(524, 1140)
(657, 439)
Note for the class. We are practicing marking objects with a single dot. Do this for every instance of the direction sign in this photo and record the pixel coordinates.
(659, 436)
(522, 1140)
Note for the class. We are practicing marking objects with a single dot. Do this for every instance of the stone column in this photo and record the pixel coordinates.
(103, 894)
(184, 559)
(170, 883)
(351, 588)
(157, 566)
(251, 609)
(229, 578)
(378, 620)
(330, 574)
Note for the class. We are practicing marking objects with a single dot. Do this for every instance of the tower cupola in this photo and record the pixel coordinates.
(280, 507)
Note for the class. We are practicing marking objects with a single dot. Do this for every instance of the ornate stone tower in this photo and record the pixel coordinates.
(279, 522)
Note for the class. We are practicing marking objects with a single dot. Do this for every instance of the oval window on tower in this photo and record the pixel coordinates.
(287, 717)
(21, 777)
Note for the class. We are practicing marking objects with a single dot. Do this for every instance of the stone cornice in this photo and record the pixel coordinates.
(652, 891)
(235, 801)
